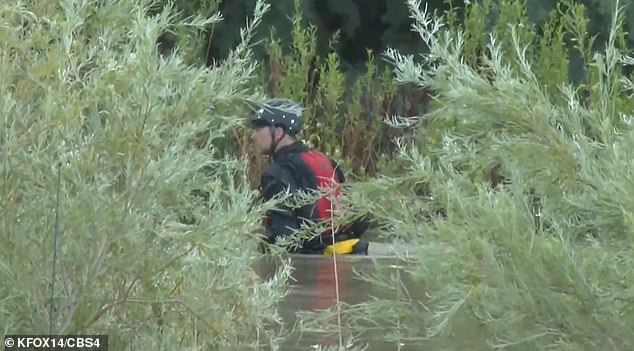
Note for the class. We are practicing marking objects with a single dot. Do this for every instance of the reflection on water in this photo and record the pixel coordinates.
(314, 288)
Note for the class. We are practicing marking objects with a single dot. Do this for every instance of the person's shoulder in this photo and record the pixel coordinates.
(335, 163)
(280, 171)
(278, 177)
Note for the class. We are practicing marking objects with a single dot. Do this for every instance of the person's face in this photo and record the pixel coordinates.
(261, 137)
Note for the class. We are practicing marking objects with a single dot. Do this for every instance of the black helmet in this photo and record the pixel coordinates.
(279, 113)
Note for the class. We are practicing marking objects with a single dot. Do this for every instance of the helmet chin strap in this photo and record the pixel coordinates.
(274, 141)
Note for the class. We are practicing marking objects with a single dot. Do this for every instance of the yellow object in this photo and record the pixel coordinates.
(341, 248)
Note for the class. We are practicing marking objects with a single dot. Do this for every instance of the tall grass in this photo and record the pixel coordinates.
(346, 108)
(85, 94)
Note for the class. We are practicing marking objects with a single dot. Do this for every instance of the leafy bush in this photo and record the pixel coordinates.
(101, 153)
(541, 258)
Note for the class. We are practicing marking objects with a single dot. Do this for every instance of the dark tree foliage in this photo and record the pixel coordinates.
(360, 24)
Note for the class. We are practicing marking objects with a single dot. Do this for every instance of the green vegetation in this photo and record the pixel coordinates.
(343, 114)
(132, 136)
(541, 259)
(512, 189)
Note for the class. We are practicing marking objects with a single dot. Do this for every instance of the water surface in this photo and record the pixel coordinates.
(318, 286)
(315, 288)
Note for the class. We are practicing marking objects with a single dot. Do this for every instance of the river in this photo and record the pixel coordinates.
(314, 288)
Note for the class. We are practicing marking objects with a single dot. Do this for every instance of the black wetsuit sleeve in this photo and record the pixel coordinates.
(282, 220)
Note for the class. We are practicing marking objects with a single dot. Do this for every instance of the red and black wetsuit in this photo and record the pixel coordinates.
(296, 167)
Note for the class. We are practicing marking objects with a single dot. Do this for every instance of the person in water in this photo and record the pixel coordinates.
(295, 167)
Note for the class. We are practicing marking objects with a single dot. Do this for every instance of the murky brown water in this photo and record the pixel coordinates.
(315, 288)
